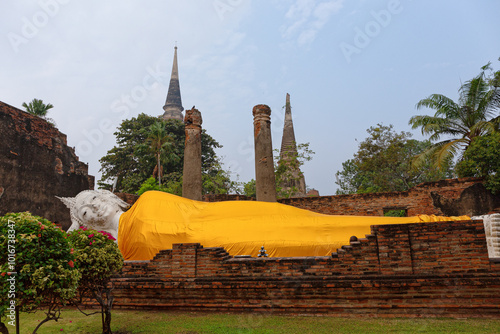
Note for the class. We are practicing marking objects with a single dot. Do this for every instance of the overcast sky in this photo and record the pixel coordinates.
(347, 65)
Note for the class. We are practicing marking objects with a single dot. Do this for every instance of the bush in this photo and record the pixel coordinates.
(41, 262)
(481, 159)
(97, 257)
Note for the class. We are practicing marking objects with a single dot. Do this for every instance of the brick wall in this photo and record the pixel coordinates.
(451, 197)
(36, 165)
(433, 269)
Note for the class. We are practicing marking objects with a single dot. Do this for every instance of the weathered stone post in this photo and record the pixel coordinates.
(191, 184)
(264, 165)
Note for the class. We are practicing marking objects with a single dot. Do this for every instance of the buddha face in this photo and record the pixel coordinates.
(95, 210)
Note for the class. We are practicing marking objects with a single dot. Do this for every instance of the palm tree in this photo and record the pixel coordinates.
(160, 142)
(38, 108)
(473, 116)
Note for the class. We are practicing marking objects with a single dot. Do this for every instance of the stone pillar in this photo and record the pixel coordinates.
(264, 165)
(191, 179)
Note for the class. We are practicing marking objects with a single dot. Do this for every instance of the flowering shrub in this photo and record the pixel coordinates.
(96, 254)
(97, 257)
(40, 255)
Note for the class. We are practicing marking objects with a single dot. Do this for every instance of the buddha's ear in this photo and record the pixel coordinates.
(68, 201)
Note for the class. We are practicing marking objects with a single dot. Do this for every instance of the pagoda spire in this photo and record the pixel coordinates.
(288, 143)
(173, 105)
(292, 182)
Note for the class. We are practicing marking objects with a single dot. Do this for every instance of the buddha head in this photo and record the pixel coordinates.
(94, 209)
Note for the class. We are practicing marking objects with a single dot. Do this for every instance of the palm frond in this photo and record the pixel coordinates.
(448, 149)
(437, 102)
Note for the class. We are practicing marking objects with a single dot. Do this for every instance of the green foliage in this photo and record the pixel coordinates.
(38, 108)
(287, 169)
(131, 160)
(383, 163)
(161, 145)
(249, 188)
(349, 179)
(482, 159)
(395, 213)
(216, 180)
(474, 115)
(97, 257)
(46, 276)
(151, 184)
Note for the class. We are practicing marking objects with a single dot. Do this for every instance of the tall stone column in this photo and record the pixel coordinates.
(264, 165)
(191, 179)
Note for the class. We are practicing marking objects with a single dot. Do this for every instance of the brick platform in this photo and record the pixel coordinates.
(432, 269)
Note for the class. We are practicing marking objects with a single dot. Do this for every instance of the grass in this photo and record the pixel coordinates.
(150, 322)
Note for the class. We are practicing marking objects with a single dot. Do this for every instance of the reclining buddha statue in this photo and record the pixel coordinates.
(157, 220)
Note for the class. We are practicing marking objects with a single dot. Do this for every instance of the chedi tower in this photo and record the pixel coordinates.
(290, 178)
(173, 105)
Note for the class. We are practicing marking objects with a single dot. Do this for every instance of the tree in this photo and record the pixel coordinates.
(216, 180)
(130, 162)
(97, 257)
(38, 108)
(461, 122)
(493, 80)
(384, 163)
(249, 188)
(161, 145)
(349, 179)
(482, 159)
(36, 265)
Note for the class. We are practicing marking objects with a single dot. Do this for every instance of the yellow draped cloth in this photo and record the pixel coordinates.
(157, 220)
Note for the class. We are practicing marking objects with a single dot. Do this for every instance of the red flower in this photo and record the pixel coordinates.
(3, 274)
(71, 264)
(39, 235)
(71, 251)
(90, 236)
(90, 243)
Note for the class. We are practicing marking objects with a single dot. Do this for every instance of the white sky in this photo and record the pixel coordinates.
(347, 65)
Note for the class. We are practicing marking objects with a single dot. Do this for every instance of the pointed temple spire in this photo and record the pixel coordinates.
(294, 182)
(173, 105)
(288, 143)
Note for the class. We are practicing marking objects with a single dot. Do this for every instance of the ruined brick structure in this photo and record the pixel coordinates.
(264, 165)
(452, 197)
(288, 155)
(432, 269)
(36, 165)
(192, 186)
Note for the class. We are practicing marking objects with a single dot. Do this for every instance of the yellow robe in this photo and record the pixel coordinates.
(157, 220)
